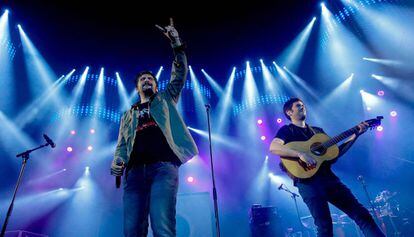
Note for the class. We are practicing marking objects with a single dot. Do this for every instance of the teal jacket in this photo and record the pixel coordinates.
(164, 111)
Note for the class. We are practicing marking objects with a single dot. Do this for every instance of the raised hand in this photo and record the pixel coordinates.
(171, 33)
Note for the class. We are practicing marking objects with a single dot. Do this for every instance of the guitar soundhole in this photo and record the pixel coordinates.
(318, 149)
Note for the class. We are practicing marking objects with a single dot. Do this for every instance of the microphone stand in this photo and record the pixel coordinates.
(25, 157)
(216, 211)
(294, 196)
(364, 186)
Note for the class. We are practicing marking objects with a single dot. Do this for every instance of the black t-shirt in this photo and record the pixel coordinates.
(150, 144)
(290, 133)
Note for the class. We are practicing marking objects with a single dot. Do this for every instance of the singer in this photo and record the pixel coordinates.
(324, 186)
(153, 142)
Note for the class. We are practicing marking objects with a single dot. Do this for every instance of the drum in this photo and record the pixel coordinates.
(342, 225)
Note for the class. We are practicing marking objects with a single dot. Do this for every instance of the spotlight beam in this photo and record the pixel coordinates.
(225, 103)
(123, 95)
(216, 87)
(293, 54)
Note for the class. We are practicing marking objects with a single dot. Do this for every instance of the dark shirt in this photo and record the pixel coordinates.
(290, 133)
(150, 144)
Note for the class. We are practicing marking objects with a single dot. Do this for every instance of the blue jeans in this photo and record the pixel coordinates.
(150, 189)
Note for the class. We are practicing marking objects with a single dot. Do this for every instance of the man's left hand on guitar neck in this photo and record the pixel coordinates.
(362, 128)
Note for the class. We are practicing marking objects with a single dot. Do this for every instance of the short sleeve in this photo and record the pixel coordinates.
(318, 130)
(283, 133)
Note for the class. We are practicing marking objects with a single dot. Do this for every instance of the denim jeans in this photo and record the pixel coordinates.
(316, 195)
(150, 190)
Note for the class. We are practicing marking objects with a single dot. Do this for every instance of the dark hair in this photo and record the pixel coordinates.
(143, 73)
(288, 105)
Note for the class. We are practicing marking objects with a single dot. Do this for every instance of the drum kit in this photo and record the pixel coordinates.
(392, 220)
(342, 225)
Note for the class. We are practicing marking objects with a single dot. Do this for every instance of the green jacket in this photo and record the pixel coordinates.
(163, 110)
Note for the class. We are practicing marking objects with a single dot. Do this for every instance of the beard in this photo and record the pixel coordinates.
(148, 90)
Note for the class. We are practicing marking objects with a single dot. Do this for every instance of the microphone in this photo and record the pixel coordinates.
(361, 179)
(118, 178)
(118, 181)
(49, 141)
(280, 186)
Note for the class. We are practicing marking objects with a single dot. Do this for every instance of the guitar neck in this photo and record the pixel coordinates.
(340, 137)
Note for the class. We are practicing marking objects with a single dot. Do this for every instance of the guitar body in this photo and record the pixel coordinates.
(297, 167)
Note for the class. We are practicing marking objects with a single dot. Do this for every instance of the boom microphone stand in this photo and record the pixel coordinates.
(25, 157)
(216, 214)
(364, 185)
(294, 196)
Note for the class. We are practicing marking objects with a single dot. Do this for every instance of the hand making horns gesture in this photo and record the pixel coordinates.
(170, 32)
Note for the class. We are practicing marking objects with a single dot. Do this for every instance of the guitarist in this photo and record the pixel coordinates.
(324, 186)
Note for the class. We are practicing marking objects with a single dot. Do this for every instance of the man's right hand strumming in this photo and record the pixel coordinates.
(309, 160)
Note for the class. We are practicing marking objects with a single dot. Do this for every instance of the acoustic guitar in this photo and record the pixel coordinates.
(321, 147)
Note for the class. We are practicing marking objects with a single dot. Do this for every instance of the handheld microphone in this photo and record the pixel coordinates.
(118, 181)
(118, 178)
(280, 186)
(49, 141)
(361, 179)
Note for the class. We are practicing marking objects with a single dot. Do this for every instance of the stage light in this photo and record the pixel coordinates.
(380, 128)
(270, 83)
(393, 113)
(73, 132)
(90, 148)
(381, 93)
(87, 169)
(216, 87)
(368, 108)
(159, 72)
(386, 62)
(219, 138)
(225, 103)
(259, 122)
(275, 178)
(361, 91)
(190, 179)
(64, 169)
(250, 90)
(292, 55)
(69, 149)
(266, 158)
(92, 131)
(279, 120)
(60, 189)
(199, 97)
(263, 138)
(123, 95)
(376, 76)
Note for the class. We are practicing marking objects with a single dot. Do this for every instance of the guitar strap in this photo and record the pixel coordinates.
(310, 128)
